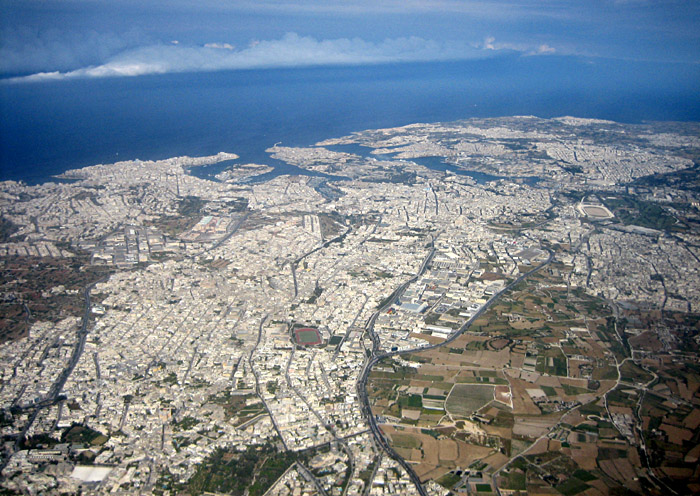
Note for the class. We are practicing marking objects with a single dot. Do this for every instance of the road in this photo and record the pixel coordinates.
(362, 382)
(54, 393)
(376, 357)
(295, 263)
(350, 327)
(377, 464)
(311, 478)
(257, 382)
(341, 442)
(661, 485)
(228, 235)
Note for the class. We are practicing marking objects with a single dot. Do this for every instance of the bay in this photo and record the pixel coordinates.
(49, 127)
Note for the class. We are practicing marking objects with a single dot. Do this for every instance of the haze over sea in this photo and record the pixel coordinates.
(52, 126)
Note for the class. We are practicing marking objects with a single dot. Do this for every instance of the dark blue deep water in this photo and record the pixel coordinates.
(47, 128)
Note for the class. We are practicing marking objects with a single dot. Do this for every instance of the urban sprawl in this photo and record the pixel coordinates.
(492, 306)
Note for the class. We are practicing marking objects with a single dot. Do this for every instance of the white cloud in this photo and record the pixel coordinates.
(289, 51)
(26, 49)
(545, 49)
(491, 44)
(222, 46)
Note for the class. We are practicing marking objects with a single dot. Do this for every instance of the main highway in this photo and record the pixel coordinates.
(378, 356)
(53, 396)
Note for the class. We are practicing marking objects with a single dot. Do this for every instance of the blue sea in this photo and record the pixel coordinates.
(49, 127)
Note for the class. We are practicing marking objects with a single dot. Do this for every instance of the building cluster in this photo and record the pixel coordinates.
(193, 349)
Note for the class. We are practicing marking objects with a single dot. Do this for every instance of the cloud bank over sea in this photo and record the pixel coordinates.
(69, 39)
(291, 50)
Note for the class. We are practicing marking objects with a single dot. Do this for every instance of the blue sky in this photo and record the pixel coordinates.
(93, 38)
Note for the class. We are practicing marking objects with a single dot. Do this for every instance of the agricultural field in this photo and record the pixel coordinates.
(466, 399)
(531, 391)
(30, 302)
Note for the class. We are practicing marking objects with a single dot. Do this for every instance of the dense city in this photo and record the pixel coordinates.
(492, 306)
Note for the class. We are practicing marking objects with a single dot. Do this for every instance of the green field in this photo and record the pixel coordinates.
(251, 472)
(448, 480)
(413, 401)
(573, 390)
(465, 399)
(404, 441)
(307, 336)
(553, 362)
(548, 390)
(633, 373)
(572, 486)
(516, 481)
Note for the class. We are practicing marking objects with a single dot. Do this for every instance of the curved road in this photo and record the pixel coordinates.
(377, 357)
(54, 393)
